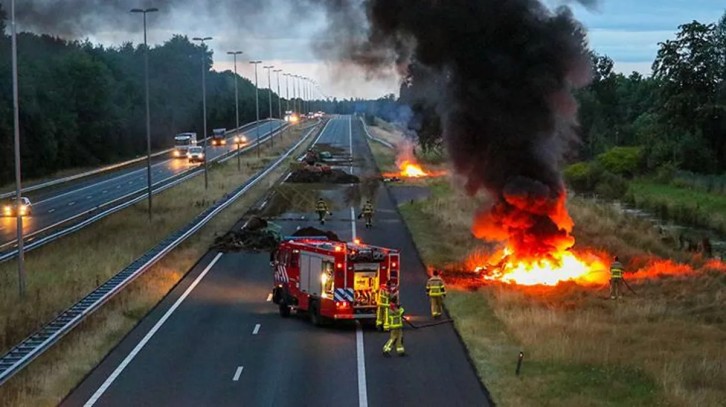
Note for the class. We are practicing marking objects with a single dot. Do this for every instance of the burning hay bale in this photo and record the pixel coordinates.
(309, 175)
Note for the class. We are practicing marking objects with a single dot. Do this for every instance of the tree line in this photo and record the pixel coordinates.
(83, 105)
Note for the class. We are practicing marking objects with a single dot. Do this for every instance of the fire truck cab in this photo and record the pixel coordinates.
(331, 280)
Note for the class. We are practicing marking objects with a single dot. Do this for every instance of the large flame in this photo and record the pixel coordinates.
(412, 170)
(537, 244)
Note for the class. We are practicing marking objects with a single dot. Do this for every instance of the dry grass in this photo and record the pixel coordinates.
(96, 253)
(661, 347)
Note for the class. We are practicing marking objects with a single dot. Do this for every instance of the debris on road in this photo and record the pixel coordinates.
(311, 231)
(315, 174)
(256, 235)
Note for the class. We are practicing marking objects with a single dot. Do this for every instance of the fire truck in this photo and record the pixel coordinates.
(331, 280)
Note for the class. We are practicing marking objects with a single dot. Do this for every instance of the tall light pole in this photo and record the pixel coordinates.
(148, 114)
(237, 138)
(16, 129)
(287, 91)
(269, 87)
(306, 105)
(298, 98)
(279, 95)
(204, 103)
(257, 107)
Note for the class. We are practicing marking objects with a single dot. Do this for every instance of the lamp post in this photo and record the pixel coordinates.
(237, 137)
(204, 104)
(279, 96)
(148, 114)
(269, 88)
(16, 130)
(298, 98)
(287, 91)
(257, 108)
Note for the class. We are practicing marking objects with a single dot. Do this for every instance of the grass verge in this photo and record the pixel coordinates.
(687, 205)
(61, 273)
(661, 347)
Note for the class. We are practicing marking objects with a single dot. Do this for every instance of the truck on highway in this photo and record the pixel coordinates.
(331, 280)
(182, 143)
(218, 137)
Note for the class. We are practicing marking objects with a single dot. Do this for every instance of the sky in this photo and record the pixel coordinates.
(283, 33)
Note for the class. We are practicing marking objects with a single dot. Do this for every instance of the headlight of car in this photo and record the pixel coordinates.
(176, 153)
(7, 209)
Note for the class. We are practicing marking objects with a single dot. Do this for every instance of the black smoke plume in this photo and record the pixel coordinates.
(499, 75)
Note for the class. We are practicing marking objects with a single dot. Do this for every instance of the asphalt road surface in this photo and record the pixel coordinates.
(58, 204)
(217, 340)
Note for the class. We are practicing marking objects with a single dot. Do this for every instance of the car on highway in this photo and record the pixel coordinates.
(195, 154)
(11, 208)
(218, 137)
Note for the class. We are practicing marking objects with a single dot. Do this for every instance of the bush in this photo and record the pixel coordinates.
(623, 161)
(580, 177)
(611, 186)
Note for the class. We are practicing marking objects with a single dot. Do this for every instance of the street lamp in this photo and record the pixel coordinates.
(148, 115)
(287, 92)
(279, 96)
(237, 138)
(298, 98)
(257, 107)
(269, 87)
(204, 103)
(16, 129)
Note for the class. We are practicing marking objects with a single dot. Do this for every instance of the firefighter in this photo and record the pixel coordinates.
(383, 304)
(436, 291)
(322, 209)
(395, 321)
(367, 213)
(616, 278)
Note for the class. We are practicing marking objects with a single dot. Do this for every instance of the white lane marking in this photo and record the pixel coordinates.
(118, 186)
(89, 197)
(109, 381)
(238, 373)
(360, 350)
(71, 203)
(105, 191)
(269, 297)
(362, 386)
(256, 330)
(51, 210)
(131, 182)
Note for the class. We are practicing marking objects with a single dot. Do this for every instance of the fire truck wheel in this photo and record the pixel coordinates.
(284, 310)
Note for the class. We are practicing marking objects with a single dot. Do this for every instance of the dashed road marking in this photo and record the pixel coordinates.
(71, 203)
(51, 210)
(105, 191)
(256, 330)
(89, 197)
(238, 373)
(269, 297)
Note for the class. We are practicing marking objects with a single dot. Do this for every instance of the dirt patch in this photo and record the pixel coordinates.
(334, 176)
(256, 235)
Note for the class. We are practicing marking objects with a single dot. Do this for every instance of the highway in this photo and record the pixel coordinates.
(55, 205)
(216, 339)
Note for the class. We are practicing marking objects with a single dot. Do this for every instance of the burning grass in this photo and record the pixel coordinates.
(663, 346)
(86, 260)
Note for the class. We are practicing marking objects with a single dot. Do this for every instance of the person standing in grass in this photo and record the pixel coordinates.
(436, 290)
(616, 278)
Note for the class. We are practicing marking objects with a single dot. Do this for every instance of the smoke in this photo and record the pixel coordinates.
(500, 76)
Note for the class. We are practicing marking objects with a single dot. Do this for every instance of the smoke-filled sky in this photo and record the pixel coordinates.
(284, 32)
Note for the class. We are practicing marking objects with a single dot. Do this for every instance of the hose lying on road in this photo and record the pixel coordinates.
(428, 324)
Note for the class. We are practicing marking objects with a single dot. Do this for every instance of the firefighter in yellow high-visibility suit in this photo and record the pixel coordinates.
(383, 301)
(436, 290)
(395, 321)
(322, 209)
(368, 213)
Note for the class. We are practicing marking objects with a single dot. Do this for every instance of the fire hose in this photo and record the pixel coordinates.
(428, 324)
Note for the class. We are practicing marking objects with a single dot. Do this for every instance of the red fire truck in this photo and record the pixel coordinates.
(331, 280)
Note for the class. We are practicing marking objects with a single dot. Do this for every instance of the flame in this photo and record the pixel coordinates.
(557, 267)
(412, 170)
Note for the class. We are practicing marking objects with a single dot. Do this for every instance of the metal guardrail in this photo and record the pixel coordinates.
(374, 138)
(36, 344)
(158, 187)
(107, 168)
